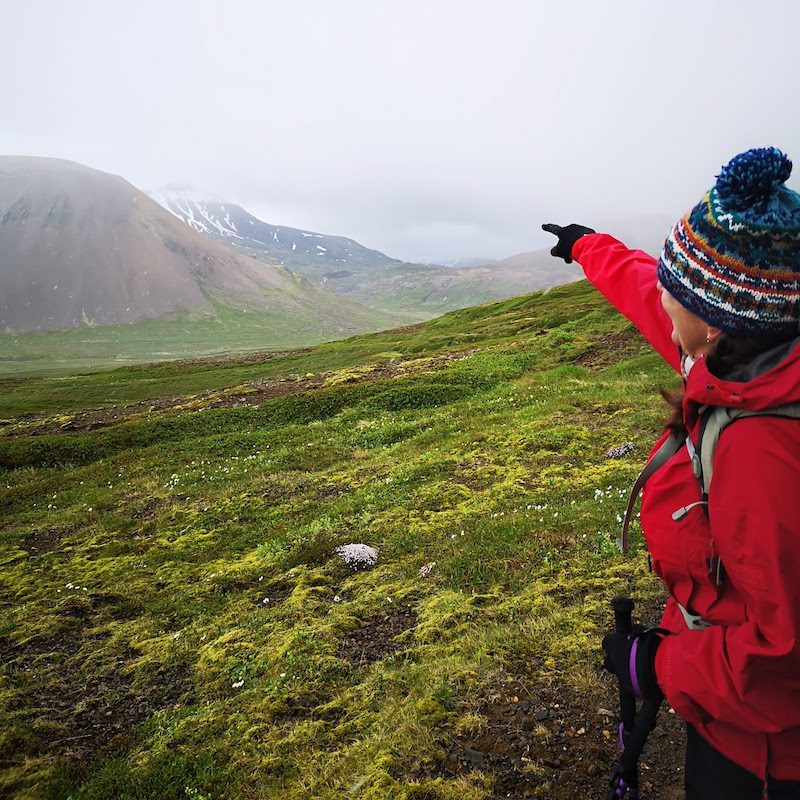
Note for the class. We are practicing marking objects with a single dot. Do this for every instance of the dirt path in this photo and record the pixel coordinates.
(547, 742)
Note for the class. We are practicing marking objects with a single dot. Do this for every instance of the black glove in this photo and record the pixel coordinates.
(638, 677)
(566, 239)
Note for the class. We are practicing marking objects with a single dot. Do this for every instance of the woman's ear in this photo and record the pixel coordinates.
(712, 334)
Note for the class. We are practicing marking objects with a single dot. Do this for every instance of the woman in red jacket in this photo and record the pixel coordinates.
(722, 305)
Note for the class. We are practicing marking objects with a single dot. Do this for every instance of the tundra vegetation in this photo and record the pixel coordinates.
(176, 622)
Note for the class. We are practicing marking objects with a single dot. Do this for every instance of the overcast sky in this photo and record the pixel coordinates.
(427, 129)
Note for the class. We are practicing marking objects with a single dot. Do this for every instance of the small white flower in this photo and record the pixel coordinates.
(337, 599)
(425, 570)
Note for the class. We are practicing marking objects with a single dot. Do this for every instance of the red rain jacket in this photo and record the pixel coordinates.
(738, 681)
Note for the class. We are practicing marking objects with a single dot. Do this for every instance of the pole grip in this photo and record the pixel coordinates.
(623, 614)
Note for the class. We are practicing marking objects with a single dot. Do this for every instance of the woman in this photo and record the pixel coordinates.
(726, 291)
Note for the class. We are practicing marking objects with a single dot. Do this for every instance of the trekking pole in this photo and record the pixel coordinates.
(624, 782)
(633, 728)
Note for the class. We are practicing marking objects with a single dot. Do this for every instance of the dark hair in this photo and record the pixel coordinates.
(729, 355)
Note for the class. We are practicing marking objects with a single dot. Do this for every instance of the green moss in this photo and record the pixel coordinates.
(217, 621)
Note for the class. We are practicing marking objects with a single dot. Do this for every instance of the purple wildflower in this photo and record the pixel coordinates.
(620, 450)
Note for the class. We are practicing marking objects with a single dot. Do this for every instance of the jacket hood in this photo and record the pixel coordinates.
(770, 379)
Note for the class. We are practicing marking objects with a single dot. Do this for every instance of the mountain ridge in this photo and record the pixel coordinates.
(236, 227)
(80, 247)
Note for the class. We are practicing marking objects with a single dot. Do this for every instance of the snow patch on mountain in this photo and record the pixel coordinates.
(232, 225)
(199, 210)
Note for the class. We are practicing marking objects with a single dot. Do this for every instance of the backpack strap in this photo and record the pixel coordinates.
(714, 422)
(668, 449)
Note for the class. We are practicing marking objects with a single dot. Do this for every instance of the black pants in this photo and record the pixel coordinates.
(711, 776)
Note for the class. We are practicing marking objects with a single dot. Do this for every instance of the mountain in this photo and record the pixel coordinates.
(462, 261)
(374, 279)
(428, 290)
(82, 247)
(366, 276)
(309, 253)
(406, 286)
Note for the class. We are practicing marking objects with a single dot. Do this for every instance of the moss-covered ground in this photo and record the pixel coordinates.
(176, 624)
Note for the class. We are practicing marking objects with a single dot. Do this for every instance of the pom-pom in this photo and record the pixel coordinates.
(752, 176)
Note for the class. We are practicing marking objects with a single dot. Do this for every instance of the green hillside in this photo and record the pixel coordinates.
(176, 624)
(415, 288)
(183, 336)
(426, 291)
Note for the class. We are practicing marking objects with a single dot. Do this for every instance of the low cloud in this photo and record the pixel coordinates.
(424, 130)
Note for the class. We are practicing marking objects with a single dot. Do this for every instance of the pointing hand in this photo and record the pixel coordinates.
(567, 237)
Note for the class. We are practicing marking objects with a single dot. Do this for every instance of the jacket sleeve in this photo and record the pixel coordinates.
(748, 675)
(627, 279)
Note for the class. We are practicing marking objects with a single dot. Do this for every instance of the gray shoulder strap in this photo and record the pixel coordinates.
(668, 449)
(717, 419)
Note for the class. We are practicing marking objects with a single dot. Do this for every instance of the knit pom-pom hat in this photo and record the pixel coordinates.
(734, 259)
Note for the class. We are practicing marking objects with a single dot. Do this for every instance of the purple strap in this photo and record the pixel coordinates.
(620, 731)
(632, 668)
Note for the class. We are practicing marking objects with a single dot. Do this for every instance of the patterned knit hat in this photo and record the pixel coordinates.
(734, 259)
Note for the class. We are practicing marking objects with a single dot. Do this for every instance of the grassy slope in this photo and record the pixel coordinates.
(175, 624)
(418, 289)
(491, 323)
